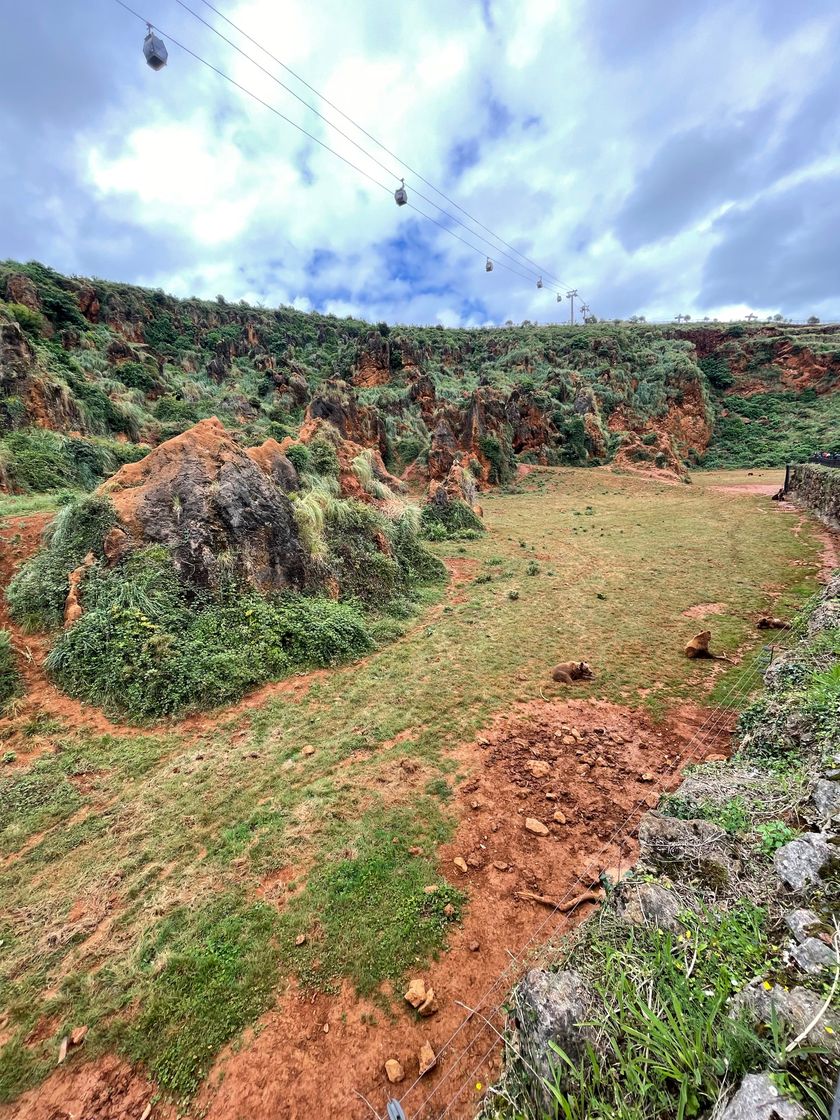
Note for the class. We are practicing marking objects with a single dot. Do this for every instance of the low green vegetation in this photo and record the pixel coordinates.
(37, 593)
(36, 461)
(673, 1045)
(150, 645)
(451, 520)
(773, 428)
(11, 684)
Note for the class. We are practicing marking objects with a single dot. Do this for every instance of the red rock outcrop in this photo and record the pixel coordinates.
(215, 507)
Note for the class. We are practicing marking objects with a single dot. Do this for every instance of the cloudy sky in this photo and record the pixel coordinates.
(659, 156)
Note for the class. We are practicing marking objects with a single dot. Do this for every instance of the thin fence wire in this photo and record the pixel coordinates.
(711, 727)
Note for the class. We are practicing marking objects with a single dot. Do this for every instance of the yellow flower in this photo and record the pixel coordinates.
(767, 986)
(478, 1086)
(829, 1030)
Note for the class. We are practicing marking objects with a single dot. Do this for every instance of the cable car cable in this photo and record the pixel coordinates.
(288, 120)
(379, 143)
(341, 132)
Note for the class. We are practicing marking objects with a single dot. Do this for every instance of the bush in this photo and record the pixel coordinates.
(36, 594)
(144, 648)
(136, 375)
(298, 456)
(449, 520)
(322, 457)
(32, 322)
(11, 683)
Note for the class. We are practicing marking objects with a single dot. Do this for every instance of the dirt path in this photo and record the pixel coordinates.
(593, 764)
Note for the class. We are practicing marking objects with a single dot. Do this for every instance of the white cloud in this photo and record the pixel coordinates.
(541, 125)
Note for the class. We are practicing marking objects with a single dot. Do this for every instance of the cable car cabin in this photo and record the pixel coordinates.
(559, 298)
(539, 282)
(489, 266)
(155, 51)
(401, 195)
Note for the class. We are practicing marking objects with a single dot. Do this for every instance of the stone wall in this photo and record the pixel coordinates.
(816, 488)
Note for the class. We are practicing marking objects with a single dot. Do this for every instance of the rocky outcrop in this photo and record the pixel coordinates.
(551, 1010)
(217, 508)
(373, 365)
(336, 403)
(759, 1099)
(20, 289)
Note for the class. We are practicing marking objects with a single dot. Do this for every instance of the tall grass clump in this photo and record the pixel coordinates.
(11, 683)
(36, 594)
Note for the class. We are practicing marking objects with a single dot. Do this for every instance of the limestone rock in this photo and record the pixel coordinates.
(797, 1008)
(427, 1058)
(813, 956)
(535, 826)
(460, 863)
(394, 1071)
(649, 904)
(539, 769)
(759, 1099)
(687, 849)
(212, 505)
(802, 924)
(416, 993)
(826, 799)
(798, 863)
(549, 1008)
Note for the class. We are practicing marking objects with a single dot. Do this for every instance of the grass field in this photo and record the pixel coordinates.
(141, 871)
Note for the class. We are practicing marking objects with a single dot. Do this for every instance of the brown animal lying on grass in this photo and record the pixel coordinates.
(698, 648)
(567, 672)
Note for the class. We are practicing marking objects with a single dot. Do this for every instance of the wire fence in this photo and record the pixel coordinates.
(488, 1015)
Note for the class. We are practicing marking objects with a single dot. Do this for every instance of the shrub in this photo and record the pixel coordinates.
(141, 647)
(322, 457)
(11, 684)
(500, 457)
(449, 520)
(36, 594)
(136, 375)
(32, 322)
(298, 456)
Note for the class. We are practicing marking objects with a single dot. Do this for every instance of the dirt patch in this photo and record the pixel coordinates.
(104, 1089)
(701, 610)
(596, 764)
(768, 489)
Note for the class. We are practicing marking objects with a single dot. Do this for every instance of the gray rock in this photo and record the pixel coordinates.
(813, 956)
(798, 863)
(759, 1099)
(649, 904)
(692, 849)
(827, 614)
(802, 923)
(550, 1008)
(826, 799)
(796, 1008)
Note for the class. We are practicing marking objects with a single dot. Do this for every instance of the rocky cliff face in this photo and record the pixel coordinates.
(101, 359)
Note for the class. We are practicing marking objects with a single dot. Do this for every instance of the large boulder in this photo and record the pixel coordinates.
(218, 509)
